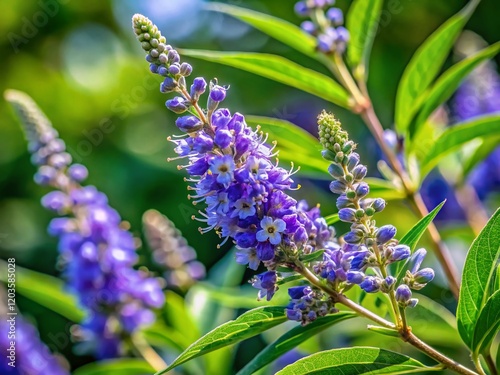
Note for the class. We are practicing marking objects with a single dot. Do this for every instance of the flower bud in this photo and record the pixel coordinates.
(378, 204)
(217, 93)
(328, 155)
(422, 277)
(359, 172)
(174, 69)
(362, 189)
(335, 16)
(308, 27)
(168, 85)
(417, 259)
(354, 237)
(338, 187)
(186, 69)
(352, 161)
(403, 295)
(177, 105)
(78, 172)
(347, 215)
(371, 284)
(223, 138)
(385, 233)
(400, 252)
(198, 87)
(336, 170)
(188, 124)
(355, 277)
(343, 201)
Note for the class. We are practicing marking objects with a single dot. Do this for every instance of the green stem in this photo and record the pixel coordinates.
(148, 353)
(405, 334)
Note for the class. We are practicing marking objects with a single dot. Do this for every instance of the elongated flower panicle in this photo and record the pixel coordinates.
(29, 354)
(367, 246)
(326, 26)
(171, 250)
(232, 171)
(97, 251)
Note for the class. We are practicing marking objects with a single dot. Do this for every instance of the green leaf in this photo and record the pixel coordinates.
(278, 69)
(482, 151)
(456, 136)
(480, 265)
(384, 189)
(433, 323)
(425, 65)
(412, 237)
(288, 134)
(446, 85)
(122, 366)
(276, 28)
(354, 361)
(291, 339)
(332, 219)
(488, 324)
(245, 326)
(362, 22)
(295, 145)
(312, 256)
(47, 291)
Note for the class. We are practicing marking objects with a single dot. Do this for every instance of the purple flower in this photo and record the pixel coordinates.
(385, 233)
(266, 283)
(98, 255)
(223, 167)
(271, 230)
(29, 354)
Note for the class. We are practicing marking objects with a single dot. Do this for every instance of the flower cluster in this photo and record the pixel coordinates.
(326, 26)
(307, 304)
(231, 168)
(31, 356)
(171, 250)
(97, 251)
(366, 245)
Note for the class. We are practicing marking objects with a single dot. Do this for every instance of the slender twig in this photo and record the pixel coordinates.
(474, 211)
(148, 353)
(405, 333)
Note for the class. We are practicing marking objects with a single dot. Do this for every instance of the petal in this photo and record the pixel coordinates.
(262, 235)
(280, 225)
(266, 221)
(274, 238)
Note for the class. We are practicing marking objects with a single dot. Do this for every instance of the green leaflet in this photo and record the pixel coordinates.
(449, 81)
(384, 189)
(425, 65)
(456, 136)
(245, 326)
(304, 154)
(482, 151)
(332, 219)
(278, 69)
(487, 325)
(362, 22)
(354, 361)
(281, 30)
(480, 265)
(291, 339)
(47, 291)
(122, 366)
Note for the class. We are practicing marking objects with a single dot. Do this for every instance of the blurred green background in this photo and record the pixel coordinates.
(80, 62)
